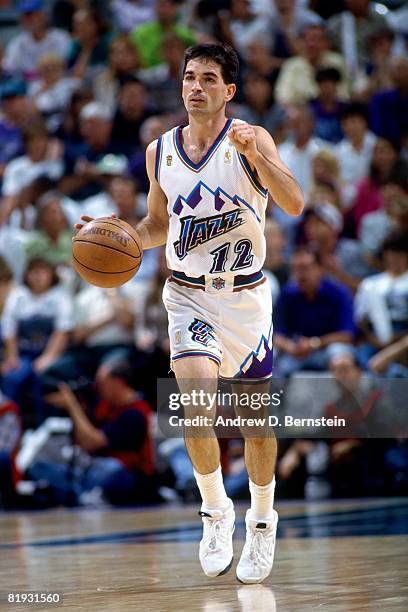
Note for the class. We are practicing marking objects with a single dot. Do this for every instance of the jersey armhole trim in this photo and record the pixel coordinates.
(252, 176)
(159, 151)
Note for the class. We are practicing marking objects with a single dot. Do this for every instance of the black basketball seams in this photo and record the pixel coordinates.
(101, 271)
(107, 247)
(118, 225)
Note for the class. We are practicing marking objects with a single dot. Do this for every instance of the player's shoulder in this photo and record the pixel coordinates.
(153, 146)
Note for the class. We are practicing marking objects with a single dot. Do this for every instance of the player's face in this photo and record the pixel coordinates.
(204, 90)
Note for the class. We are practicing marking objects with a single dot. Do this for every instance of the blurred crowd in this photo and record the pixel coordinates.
(84, 88)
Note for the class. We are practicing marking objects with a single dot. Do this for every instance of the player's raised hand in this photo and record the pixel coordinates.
(243, 137)
(86, 219)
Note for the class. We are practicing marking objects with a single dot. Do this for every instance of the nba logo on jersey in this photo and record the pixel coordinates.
(218, 283)
(228, 157)
(169, 160)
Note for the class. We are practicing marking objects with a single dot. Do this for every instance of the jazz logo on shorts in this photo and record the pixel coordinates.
(201, 332)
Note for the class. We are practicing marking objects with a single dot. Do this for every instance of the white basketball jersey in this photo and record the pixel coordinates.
(216, 208)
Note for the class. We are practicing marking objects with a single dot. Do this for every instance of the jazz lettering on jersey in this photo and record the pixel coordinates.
(195, 231)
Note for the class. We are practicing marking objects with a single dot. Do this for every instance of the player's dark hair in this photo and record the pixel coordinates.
(222, 54)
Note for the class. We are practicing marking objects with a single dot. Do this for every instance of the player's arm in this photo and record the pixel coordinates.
(260, 150)
(154, 227)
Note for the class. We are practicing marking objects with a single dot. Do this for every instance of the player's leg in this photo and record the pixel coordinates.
(217, 510)
(261, 519)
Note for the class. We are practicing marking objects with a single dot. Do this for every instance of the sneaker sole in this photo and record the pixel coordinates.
(227, 569)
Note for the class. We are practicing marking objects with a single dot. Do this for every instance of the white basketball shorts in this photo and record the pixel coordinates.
(234, 328)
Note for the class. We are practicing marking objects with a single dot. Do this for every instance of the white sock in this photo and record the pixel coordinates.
(262, 497)
(212, 490)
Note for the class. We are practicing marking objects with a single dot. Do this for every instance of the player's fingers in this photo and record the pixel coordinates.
(86, 218)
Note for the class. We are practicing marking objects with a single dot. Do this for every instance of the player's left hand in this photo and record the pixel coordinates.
(243, 137)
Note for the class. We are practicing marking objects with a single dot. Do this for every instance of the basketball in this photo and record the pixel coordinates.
(106, 252)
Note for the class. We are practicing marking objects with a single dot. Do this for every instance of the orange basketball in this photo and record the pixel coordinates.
(106, 252)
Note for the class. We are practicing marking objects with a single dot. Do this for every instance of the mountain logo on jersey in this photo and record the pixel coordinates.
(201, 332)
(194, 232)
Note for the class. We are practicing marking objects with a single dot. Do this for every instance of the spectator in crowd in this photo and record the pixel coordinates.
(116, 443)
(388, 108)
(296, 83)
(298, 151)
(163, 82)
(259, 107)
(148, 37)
(36, 39)
(385, 166)
(52, 92)
(36, 322)
(123, 62)
(275, 261)
(375, 226)
(10, 435)
(89, 52)
(15, 114)
(43, 157)
(52, 238)
(341, 258)
(355, 150)
(379, 69)
(6, 283)
(259, 59)
(241, 25)
(327, 106)
(287, 22)
(381, 309)
(131, 112)
(150, 130)
(391, 361)
(81, 178)
(350, 32)
(120, 198)
(129, 14)
(326, 179)
(70, 132)
(312, 314)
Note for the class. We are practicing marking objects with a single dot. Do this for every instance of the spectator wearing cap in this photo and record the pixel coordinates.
(296, 83)
(43, 158)
(341, 258)
(37, 38)
(130, 113)
(313, 313)
(148, 37)
(115, 436)
(327, 107)
(89, 51)
(82, 178)
(381, 304)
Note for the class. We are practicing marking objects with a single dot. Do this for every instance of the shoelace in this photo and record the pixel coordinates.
(256, 545)
(213, 533)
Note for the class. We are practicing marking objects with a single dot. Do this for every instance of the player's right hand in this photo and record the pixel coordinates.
(85, 219)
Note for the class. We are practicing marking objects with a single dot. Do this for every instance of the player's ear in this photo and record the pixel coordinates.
(230, 93)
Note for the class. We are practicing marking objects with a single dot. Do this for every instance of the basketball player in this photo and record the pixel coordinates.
(209, 184)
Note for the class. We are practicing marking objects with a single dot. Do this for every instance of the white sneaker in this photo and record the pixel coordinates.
(216, 551)
(256, 559)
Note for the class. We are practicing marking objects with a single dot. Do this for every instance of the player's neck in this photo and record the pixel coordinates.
(204, 133)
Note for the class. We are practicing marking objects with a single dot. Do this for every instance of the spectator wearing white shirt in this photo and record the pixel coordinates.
(36, 323)
(381, 303)
(36, 39)
(296, 83)
(355, 150)
(52, 92)
(43, 158)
